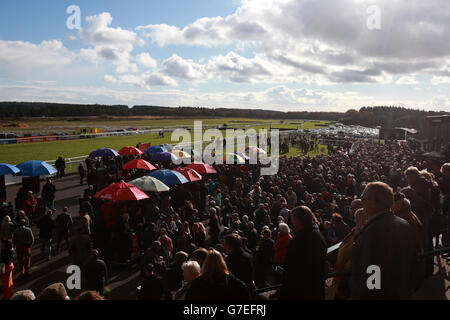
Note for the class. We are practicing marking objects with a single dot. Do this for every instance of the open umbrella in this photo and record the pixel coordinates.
(181, 154)
(138, 164)
(147, 183)
(130, 151)
(121, 191)
(163, 156)
(201, 167)
(169, 177)
(35, 168)
(189, 173)
(106, 152)
(255, 150)
(156, 149)
(6, 168)
(243, 155)
(233, 158)
(167, 146)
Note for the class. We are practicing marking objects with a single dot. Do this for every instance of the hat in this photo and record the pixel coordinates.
(55, 291)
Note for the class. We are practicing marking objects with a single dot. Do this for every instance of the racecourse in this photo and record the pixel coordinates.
(44, 151)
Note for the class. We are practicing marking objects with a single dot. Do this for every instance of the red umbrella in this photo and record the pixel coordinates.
(130, 150)
(121, 191)
(138, 164)
(189, 173)
(201, 167)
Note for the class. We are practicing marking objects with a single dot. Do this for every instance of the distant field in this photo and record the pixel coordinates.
(17, 153)
(51, 125)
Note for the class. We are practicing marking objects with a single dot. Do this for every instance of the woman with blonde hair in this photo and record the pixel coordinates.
(216, 282)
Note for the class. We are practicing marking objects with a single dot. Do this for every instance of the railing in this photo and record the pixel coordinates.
(347, 273)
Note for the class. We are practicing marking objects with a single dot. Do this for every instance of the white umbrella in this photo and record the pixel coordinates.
(148, 183)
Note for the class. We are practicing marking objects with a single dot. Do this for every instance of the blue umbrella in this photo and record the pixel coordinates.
(167, 146)
(169, 177)
(34, 168)
(106, 152)
(163, 156)
(156, 149)
(8, 169)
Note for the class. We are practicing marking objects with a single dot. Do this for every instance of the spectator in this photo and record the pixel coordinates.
(46, 226)
(191, 271)
(385, 241)
(63, 223)
(7, 229)
(304, 265)
(94, 273)
(29, 207)
(81, 173)
(56, 291)
(216, 282)
(7, 267)
(48, 194)
(23, 239)
(152, 287)
(238, 261)
(281, 244)
(23, 295)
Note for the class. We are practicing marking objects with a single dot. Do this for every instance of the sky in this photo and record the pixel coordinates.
(287, 55)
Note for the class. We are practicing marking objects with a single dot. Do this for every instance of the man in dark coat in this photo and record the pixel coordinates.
(63, 223)
(94, 273)
(238, 261)
(46, 226)
(152, 288)
(173, 277)
(48, 194)
(305, 261)
(385, 245)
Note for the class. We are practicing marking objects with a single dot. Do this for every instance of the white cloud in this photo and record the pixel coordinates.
(146, 60)
(328, 41)
(406, 80)
(145, 80)
(18, 57)
(440, 80)
(177, 67)
(111, 44)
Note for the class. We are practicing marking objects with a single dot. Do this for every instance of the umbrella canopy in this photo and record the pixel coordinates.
(130, 151)
(243, 155)
(106, 152)
(121, 191)
(169, 177)
(6, 168)
(255, 150)
(156, 149)
(201, 167)
(189, 173)
(167, 146)
(233, 158)
(180, 154)
(148, 183)
(163, 156)
(138, 164)
(35, 168)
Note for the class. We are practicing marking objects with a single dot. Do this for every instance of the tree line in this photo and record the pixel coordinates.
(386, 116)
